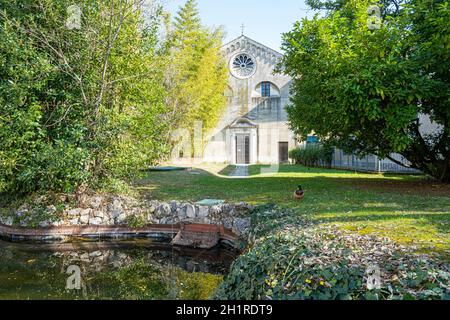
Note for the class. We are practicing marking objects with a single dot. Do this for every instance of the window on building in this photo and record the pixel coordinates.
(265, 89)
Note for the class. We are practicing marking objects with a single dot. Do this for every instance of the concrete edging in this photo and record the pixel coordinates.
(70, 233)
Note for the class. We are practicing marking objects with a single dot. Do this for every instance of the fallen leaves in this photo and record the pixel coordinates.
(304, 260)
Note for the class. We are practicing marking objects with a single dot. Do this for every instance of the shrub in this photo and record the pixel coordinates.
(58, 166)
(71, 123)
(136, 221)
(312, 155)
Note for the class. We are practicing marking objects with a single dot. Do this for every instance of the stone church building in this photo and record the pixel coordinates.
(254, 127)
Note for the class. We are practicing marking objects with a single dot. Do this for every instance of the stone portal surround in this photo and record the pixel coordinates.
(110, 211)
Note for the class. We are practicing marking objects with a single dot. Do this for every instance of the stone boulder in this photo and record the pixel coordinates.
(121, 218)
(151, 219)
(95, 221)
(152, 206)
(241, 226)
(44, 224)
(190, 211)
(74, 212)
(9, 221)
(181, 212)
(84, 218)
(96, 202)
(174, 205)
(115, 208)
(57, 223)
(203, 211)
(163, 210)
(215, 210)
(74, 221)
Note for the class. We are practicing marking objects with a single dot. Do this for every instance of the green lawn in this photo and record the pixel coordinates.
(408, 209)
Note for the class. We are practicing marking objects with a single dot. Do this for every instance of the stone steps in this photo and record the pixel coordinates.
(197, 236)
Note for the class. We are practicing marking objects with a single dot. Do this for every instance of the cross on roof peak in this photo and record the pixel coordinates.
(242, 29)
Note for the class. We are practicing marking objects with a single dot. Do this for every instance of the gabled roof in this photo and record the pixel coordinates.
(245, 42)
(243, 122)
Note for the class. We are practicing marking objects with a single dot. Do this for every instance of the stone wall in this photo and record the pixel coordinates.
(118, 210)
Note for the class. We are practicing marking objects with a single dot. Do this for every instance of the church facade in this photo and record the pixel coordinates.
(254, 127)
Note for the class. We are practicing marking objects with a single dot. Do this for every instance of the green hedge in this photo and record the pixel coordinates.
(66, 127)
(312, 155)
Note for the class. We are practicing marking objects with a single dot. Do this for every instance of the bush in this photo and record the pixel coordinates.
(58, 166)
(292, 258)
(67, 124)
(312, 155)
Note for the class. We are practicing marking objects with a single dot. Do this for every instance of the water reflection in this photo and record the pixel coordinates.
(110, 270)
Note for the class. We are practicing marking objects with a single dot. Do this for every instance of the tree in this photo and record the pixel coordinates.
(368, 90)
(196, 76)
(78, 107)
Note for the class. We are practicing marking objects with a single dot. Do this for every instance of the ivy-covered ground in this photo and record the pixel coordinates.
(292, 258)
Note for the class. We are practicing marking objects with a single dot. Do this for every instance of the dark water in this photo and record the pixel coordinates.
(110, 270)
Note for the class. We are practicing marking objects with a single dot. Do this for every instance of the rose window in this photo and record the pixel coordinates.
(243, 65)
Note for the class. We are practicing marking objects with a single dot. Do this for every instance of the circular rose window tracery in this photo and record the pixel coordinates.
(243, 65)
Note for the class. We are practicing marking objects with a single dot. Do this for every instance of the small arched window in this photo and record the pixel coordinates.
(265, 89)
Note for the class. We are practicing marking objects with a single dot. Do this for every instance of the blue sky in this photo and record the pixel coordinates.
(264, 20)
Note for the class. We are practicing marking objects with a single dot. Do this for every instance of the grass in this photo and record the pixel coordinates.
(411, 210)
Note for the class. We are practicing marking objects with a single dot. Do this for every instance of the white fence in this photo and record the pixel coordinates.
(369, 163)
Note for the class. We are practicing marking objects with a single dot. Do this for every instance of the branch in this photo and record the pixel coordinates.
(446, 167)
(399, 162)
(112, 37)
(42, 38)
(127, 78)
(59, 120)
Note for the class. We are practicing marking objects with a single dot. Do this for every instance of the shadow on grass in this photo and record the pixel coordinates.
(260, 168)
(330, 196)
(227, 170)
(181, 184)
(439, 220)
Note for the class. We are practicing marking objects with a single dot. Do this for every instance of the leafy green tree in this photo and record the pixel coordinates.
(78, 107)
(196, 74)
(369, 89)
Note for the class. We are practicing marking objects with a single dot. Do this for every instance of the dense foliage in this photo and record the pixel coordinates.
(312, 155)
(196, 76)
(292, 258)
(374, 89)
(77, 106)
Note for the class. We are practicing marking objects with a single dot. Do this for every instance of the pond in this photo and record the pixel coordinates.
(139, 269)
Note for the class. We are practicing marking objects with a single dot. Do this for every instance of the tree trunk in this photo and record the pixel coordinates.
(445, 176)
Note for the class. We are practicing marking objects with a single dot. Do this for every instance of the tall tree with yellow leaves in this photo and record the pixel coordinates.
(196, 75)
